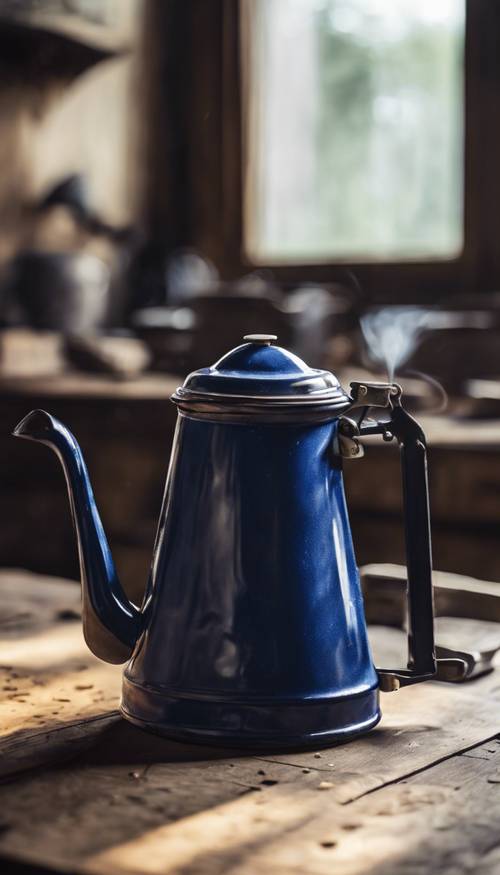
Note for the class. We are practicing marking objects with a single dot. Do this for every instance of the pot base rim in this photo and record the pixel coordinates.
(246, 725)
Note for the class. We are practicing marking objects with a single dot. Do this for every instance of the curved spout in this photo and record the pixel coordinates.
(111, 624)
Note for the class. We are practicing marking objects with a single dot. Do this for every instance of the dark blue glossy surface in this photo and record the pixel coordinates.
(262, 370)
(255, 595)
(250, 723)
(111, 624)
(252, 630)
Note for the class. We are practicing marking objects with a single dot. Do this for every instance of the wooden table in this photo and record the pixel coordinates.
(84, 792)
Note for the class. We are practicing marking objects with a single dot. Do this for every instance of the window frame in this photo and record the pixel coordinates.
(209, 127)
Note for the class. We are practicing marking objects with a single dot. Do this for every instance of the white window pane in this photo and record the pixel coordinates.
(354, 129)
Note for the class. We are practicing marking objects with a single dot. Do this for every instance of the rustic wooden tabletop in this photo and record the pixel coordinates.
(82, 791)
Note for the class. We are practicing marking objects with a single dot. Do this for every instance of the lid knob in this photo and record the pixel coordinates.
(262, 339)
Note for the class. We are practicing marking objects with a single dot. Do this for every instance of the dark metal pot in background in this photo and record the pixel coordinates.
(58, 291)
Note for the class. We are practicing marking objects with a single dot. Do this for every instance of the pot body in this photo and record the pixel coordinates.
(255, 631)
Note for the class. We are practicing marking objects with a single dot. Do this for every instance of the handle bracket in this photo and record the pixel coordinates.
(411, 439)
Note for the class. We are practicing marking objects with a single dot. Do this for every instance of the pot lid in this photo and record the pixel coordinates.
(262, 372)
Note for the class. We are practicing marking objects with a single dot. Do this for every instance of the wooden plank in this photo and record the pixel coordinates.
(54, 695)
(133, 802)
(446, 819)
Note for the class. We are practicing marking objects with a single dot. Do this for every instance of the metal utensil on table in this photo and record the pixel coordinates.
(384, 591)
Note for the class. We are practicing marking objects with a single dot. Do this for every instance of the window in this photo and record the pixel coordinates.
(354, 130)
(350, 141)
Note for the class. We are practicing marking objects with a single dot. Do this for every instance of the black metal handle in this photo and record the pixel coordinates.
(421, 650)
(384, 591)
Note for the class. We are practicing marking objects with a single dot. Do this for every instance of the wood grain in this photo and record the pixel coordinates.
(54, 695)
(108, 798)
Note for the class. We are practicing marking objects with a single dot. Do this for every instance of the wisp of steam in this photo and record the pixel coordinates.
(392, 335)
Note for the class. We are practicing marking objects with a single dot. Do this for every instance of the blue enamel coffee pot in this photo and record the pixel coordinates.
(252, 629)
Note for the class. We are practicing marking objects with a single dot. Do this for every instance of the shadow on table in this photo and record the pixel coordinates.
(122, 743)
(125, 744)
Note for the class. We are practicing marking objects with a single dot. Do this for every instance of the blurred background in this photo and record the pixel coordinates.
(177, 174)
